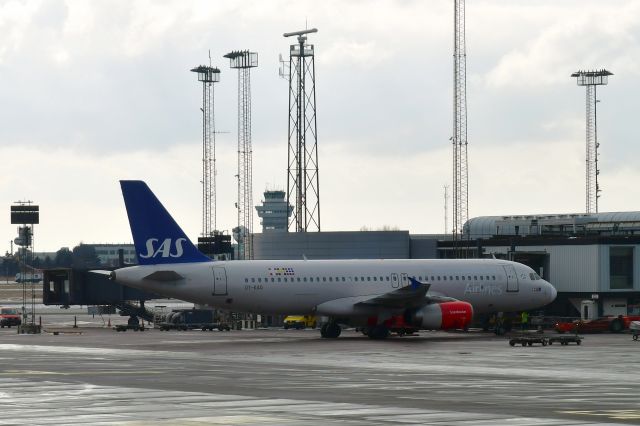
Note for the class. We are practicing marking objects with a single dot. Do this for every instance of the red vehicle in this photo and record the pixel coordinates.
(610, 323)
(9, 317)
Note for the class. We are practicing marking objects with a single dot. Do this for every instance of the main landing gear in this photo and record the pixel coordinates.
(330, 330)
(378, 332)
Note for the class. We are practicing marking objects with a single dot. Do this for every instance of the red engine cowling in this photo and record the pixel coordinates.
(441, 316)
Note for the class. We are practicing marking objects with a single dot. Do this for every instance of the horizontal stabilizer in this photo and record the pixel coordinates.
(109, 274)
(164, 276)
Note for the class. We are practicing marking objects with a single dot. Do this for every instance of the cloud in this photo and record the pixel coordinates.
(94, 92)
(568, 38)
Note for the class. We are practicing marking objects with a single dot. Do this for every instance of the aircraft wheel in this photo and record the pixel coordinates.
(635, 337)
(512, 343)
(330, 330)
(578, 342)
(616, 326)
(378, 332)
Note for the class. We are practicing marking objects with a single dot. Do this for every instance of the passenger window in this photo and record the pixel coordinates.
(330, 279)
(325, 278)
(457, 278)
(463, 278)
(432, 278)
(361, 278)
(494, 277)
(387, 278)
(343, 279)
(305, 279)
(279, 280)
(444, 278)
(317, 279)
(481, 278)
(375, 278)
(298, 279)
(246, 280)
(259, 280)
(355, 279)
(368, 278)
(488, 278)
(253, 280)
(475, 278)
(381, 278)
(273, 280)
(469, 277)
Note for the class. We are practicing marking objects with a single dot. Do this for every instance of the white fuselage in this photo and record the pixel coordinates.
(301, 286)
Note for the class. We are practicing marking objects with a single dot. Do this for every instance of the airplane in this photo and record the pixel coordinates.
(431, 294)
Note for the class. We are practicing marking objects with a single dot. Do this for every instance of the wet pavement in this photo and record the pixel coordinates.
(94, 375)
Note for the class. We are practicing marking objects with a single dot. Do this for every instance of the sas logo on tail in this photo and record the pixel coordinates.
(164, 249)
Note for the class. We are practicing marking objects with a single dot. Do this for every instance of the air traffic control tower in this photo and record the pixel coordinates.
(274, 212)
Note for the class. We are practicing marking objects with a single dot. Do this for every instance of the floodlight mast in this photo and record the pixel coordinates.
(208, 75)
(591, 79)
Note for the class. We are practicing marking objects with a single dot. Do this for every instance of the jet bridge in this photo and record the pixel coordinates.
(70, 286)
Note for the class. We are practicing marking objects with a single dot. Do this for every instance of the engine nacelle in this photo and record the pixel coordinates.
(441, 316)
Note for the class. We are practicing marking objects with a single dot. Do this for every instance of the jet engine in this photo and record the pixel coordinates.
(441, 316)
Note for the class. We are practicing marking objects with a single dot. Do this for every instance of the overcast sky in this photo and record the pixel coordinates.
(92, 92)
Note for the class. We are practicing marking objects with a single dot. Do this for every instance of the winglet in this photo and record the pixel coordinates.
(157, 237)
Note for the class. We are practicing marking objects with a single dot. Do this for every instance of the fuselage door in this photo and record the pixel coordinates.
(404, 280)
(394, 281)
(219, 281)
(512, 278)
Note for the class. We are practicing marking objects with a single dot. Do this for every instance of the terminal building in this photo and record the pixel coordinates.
(585, 256)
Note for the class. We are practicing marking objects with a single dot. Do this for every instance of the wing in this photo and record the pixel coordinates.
(396, 301)
(411, 296)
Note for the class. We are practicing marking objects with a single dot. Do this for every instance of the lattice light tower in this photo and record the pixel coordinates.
(303, 182)
(591, 79)
(459, 139)
(208, 76)
(243, 61)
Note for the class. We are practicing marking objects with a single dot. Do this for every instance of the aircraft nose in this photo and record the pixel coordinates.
(552, 292)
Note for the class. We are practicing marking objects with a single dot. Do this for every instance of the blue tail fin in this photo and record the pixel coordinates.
(157, 237)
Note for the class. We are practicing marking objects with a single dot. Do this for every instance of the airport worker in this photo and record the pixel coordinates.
(524, 320)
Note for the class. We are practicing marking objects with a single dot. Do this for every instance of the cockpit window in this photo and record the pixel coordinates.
(534, 276)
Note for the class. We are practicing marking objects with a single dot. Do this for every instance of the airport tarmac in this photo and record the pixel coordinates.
(275, 377)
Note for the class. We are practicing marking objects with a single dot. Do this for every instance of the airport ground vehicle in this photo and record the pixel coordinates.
(192, 319)
(300, 322)
(610, 323)
(9, 317)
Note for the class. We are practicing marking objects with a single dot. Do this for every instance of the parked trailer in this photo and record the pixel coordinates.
(528, 340)
(192, 319)
(565, 340)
